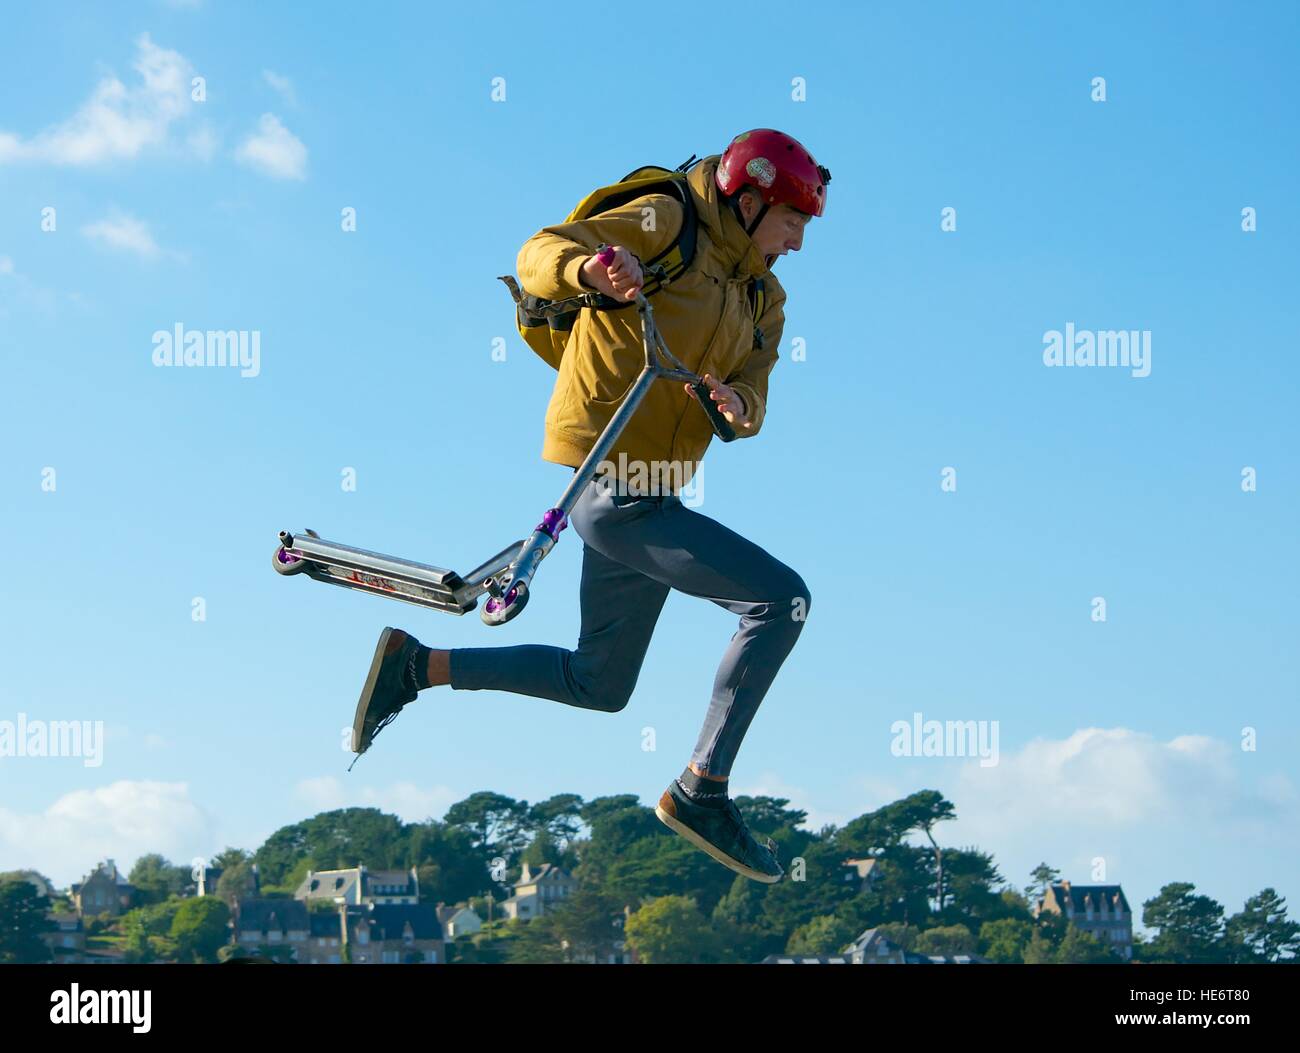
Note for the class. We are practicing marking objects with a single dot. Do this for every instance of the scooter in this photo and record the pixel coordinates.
(507, 577)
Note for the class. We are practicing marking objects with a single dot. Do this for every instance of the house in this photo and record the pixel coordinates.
(872, 948)
(393, 934)
(315, 937)
(457, 921)
(67, 942)
(1102, 911)
(862, 873)
(105, 891)
(536, 890)
(358, 886)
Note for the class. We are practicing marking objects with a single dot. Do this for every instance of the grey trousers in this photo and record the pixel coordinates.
(634, 550)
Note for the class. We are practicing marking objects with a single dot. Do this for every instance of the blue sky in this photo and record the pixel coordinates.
(1119, 741)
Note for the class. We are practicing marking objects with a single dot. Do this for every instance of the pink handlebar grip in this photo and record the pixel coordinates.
(606, 255)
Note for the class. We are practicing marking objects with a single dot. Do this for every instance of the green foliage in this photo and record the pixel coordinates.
(237, 881)
(671, 929)
(1260, 932)
(1004, 940)
(1188, 927)
(900, 934)
(824, 934)
(1082, 948)
(1039, 949)
(535, 942)
(23, 922)
(155, 879)
(588, 924)
(1043, 878)
(334, 840)
(682, 904)
(945, 939)
(199, 928)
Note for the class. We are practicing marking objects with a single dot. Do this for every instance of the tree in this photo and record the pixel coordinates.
(199, 928)
(670, 929)
(536, 942)
(1043, 877)
(237, 880)
(589, 923)
(497, 823)
(971, 879)
(543, 850)
(560, 817)
(945, 939)
(333, 840)
(900, 934)
(1004, 940)
(1188, 927)
(1261, 932)
(23, 922)
(449, 867)
(146, 931)
(1082, 948)
(154, 879)
(1039, 949)
(824, 934)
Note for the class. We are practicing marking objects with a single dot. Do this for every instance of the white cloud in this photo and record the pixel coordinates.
(116, 122)
(274, 150)
(281, 84)
(6, 265)
(126, 233)
(1102, 779)
(121, 821)
(404, 799)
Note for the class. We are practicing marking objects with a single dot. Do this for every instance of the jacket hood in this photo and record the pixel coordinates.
(735, 246)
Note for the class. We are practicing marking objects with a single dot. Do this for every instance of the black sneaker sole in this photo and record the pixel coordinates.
(372, 678)
(677, 826)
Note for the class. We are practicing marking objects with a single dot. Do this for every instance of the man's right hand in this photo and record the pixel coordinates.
(622, 280)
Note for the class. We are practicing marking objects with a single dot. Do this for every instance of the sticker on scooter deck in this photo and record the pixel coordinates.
(378, 585)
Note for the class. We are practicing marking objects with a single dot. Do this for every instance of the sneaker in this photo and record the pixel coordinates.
(721, 832)
(388, 687)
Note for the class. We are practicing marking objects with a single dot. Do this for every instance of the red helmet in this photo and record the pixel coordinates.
(778, 165)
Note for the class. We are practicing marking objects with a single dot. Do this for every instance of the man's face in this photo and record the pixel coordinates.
(781, 230)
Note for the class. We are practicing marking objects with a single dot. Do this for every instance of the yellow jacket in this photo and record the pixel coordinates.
(704, 317)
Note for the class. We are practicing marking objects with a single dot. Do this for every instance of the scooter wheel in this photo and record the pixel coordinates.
(286, 563)
(501, 615)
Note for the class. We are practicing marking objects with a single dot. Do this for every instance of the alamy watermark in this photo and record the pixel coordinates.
(652, 479)
(1117, 348)
(952, 738)
(55, 738)
(214, 348)
(92, 1006)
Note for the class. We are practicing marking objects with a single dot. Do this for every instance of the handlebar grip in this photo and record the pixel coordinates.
(721, 427)
(605, 255)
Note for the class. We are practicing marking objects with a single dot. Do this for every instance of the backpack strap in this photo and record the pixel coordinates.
(757, 301)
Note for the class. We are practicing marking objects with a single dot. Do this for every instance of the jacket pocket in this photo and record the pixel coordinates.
(606, 362)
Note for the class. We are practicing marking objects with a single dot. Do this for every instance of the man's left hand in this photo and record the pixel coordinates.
(728, 400)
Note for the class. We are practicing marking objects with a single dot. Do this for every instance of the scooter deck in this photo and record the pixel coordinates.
(389, 576)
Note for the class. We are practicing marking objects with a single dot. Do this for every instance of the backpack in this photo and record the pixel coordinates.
(546, 325)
